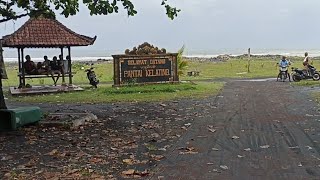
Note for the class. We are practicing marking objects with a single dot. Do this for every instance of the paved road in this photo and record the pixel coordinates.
(264, 130)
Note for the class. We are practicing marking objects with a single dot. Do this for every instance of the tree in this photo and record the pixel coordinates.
(15, 9)
(2, 101)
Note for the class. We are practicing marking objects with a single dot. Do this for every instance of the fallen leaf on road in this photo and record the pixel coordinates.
(265, 146)
(215, 170)
(128, 161)
(188, 150)
(53, 152)
(235, 137)
(95, 160)
(210, 128)
(128, 172)
(224, 167)
(309, 148)
(187, 125)
(5, 158)
(157, 157)
(295, 147)
(39, 172)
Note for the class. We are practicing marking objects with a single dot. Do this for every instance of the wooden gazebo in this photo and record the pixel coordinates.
(41, 32)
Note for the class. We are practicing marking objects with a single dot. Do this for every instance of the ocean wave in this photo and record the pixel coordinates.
(38, 59)
(299, 53)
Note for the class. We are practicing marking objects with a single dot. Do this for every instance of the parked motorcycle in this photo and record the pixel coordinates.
(283, 74)
(91, 75)
(300, 74)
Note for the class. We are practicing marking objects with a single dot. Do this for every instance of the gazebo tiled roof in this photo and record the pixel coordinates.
(42, 32)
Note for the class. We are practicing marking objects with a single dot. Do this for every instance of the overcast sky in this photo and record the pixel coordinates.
(204, 26)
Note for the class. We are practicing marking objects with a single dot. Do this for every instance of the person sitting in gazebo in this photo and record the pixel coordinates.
(29, 66)
(44, 67)
(56, 68)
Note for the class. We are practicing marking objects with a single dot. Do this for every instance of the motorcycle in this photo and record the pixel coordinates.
(91, 75)
(300, 74)
(283, 74)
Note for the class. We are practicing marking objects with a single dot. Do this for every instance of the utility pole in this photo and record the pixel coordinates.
(249, 59)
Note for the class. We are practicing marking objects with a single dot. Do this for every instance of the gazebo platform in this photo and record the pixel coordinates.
(44, 90)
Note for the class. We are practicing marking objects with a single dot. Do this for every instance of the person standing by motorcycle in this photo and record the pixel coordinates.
(284, 63)
(306, 64)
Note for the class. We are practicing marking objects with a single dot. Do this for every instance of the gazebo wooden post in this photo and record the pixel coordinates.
(19, 64)
(63, 74)
(69, 66)
(23, 69)
(61, 48)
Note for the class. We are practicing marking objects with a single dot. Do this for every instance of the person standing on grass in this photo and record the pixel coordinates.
(61, 64)
(306, 64)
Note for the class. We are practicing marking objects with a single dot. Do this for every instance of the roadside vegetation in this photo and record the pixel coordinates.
(107, 93)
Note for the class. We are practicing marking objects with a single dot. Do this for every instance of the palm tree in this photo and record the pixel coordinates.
(182, 64)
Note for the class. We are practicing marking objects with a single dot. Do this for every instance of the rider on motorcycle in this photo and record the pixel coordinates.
(284, 63)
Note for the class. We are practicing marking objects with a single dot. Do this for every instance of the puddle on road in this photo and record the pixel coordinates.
(258, 80)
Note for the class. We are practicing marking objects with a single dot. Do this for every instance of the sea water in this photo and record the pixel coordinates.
(37, 57)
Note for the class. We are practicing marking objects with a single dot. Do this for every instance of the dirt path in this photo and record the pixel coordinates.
(252, 130)
(264, 130)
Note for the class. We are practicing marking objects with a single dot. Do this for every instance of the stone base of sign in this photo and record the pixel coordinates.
(147, 83)
(68, 120)
(44, 89)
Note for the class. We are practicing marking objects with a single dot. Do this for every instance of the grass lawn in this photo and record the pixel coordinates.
(234, 68)
(106, 93)
(237, 68)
